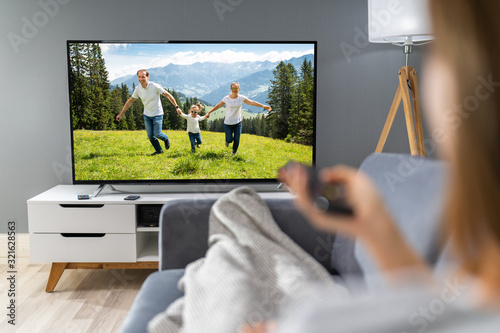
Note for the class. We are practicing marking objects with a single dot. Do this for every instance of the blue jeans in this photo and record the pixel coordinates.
(153, 129)
(195, 139)
(233, 133)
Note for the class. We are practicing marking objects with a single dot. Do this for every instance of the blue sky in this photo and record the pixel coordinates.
(123, 59)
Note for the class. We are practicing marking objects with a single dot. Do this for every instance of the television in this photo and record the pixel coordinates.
(103, 75)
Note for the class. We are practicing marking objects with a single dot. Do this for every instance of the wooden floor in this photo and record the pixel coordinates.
(84, 300)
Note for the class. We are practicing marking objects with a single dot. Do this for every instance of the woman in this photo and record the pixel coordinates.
(462, 91)
(233, 119)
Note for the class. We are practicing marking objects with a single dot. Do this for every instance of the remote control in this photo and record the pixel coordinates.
(132, 197)
(327, 197)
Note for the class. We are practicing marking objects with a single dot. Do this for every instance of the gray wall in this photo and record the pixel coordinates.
(353, 96)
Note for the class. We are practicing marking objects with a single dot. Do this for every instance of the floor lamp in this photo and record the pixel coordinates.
(403, 23)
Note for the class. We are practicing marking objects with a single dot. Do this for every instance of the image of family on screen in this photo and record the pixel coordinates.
(150, 92)
(190, 111)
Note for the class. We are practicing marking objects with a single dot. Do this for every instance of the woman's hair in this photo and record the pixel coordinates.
(234, 84)
(468, 40)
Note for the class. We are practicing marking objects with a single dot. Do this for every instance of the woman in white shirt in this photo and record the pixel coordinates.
(233, 119)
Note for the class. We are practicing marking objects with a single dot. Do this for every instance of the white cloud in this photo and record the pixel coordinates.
(115, 73)
(106, 48)
(227, 56)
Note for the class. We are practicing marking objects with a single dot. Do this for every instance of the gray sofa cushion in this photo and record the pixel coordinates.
(156, 294)
(184, 232)
(413, 189)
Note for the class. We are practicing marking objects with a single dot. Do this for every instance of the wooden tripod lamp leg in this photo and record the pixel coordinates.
(405, 74)
(416, 110)
(389, 121)
(410, 127)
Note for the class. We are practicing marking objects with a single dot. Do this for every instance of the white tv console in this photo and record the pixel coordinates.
(99, 233)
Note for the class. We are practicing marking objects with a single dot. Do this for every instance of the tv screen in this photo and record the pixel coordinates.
(185, 111)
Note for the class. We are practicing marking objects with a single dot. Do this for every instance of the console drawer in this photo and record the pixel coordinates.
(82, 248)
(81, 218)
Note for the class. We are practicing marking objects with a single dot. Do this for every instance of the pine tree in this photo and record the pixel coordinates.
(263, 128)
(107, 118)
(280, 95)
(97, 114)
(137, 111)
(116, 105)
(79, 86)
(171, 119)
(302, 116)
(249, 126)
(124, 93)
(129, 116)
(216, 125)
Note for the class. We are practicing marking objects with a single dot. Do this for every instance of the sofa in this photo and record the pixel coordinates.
(412, 188)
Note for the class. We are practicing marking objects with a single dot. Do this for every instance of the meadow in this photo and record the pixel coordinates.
(126, 155)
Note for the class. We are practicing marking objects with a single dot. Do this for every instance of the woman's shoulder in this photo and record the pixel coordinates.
(448, 308)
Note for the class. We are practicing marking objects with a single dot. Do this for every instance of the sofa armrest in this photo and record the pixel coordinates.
(413, 189)
(184, 232)
(158, 291)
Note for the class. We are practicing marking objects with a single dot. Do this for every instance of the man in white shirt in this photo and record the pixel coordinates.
(149, 93)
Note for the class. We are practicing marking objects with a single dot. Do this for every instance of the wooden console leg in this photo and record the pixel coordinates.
(58, 268)
(55, 274)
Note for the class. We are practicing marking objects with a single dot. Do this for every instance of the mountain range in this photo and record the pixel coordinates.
(210, 81)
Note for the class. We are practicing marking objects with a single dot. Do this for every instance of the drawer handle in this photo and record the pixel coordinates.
(69, 235)
(81, 206)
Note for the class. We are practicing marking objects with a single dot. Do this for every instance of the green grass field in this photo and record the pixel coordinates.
(125, 155)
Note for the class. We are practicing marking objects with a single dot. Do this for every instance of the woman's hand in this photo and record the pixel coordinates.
(361, 195)
(371, 222)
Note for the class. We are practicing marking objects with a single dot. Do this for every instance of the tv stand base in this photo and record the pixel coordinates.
(57, 269)
(100, 188)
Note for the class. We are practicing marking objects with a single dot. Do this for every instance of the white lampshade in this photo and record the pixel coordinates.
(398, 21)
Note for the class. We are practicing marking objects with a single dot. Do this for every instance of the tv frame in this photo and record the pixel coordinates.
(210, 182)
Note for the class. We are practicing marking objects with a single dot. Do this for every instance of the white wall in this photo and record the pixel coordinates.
(353, 96)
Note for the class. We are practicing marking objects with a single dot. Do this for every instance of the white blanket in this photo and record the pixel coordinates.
(251, 272)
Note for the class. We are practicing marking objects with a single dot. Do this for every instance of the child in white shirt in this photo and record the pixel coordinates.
(193, 126)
